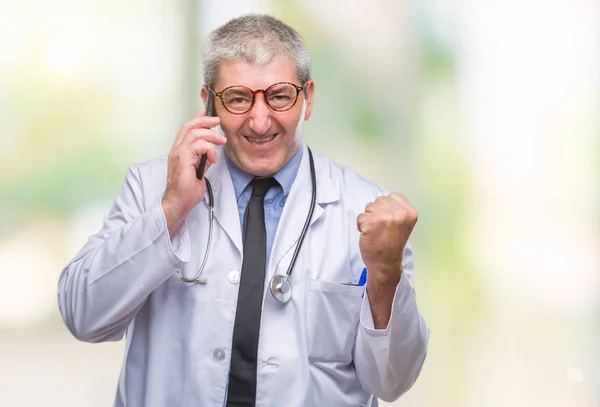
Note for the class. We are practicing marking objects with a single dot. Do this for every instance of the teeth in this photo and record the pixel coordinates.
(260, 140)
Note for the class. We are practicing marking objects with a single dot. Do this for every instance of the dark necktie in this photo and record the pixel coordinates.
(242, 375)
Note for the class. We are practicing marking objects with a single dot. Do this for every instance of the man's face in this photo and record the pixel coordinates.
(247, 134)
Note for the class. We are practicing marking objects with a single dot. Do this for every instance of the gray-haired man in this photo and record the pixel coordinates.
(349, 329)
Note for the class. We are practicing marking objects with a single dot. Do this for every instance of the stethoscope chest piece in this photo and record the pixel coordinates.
(280, 288)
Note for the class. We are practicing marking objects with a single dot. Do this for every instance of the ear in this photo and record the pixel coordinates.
(310, 86)
(204, 94)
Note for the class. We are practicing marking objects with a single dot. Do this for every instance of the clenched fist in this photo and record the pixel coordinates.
(385, 228)
(184, 190)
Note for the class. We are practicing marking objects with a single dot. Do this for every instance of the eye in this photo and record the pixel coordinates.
(280, 98)
(238, 100)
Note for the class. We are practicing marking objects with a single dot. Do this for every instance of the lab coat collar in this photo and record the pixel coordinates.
(297, 206)
(294, 213)
(225, 210)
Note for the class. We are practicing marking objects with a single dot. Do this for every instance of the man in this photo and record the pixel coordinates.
(224, 340)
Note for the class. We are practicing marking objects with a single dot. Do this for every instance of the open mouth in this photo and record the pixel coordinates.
(261, 140)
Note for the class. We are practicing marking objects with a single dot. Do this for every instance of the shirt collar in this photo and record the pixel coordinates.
(285, 176)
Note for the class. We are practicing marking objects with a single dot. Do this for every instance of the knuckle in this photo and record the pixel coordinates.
(391, 218)
(203, 134)
(410, 211)
(399, 217)
(382, 219)
(196, 133)
(414, 215)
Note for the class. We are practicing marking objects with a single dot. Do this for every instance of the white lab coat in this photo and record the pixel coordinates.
(320, 349)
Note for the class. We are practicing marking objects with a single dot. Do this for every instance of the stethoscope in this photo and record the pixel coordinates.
(279, 285)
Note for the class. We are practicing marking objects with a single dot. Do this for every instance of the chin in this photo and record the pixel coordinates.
(260, 165)
(262, 171)
(264, 166)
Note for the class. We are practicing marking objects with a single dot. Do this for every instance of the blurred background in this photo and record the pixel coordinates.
(484, 113)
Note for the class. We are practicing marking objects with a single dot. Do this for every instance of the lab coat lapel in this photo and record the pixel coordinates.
(297, 206)
(226, 209)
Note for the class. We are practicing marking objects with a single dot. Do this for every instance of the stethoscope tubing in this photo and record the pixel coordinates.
(313, 179)
(211, 205)
(202, 280)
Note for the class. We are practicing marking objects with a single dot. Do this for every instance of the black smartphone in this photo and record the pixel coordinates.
(210, 111)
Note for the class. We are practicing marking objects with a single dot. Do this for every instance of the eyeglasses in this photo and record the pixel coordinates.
(279, 97)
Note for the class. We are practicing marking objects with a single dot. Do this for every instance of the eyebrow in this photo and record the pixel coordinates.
(238, 91)
(277, 87)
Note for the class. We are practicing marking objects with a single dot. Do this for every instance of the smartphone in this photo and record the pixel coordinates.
(210, 111)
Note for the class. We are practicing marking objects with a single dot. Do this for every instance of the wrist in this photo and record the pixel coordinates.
(384, 275)
(174, 214)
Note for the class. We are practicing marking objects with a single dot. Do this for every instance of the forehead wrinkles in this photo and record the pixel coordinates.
(256, 76)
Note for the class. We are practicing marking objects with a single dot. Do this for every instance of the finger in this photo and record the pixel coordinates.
(201, 113)
(410, 211)
(359, 221)
(204, 147)
(388, 204)
(208, 135)
(363, 223)
(205, 122)
(379, 205)
(211, 159)
(371, 207)
(399, 198)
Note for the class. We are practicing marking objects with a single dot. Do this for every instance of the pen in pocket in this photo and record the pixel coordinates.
(363, 280)
(363, 277)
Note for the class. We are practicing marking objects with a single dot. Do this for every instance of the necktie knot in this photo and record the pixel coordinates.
(260, 186)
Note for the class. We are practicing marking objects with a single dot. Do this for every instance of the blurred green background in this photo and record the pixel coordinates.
(484, 113)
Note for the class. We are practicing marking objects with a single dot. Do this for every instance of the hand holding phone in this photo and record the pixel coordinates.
(210, 111)
(184, 190)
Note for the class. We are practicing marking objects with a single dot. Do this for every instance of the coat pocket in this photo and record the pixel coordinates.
(332, 320)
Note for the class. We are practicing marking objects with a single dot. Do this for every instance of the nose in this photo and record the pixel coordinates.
(260, 115)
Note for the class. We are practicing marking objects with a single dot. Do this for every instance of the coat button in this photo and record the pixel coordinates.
(234, 276)
(219, 354)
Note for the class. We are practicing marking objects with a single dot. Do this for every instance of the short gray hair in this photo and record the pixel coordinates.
(257, 39)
